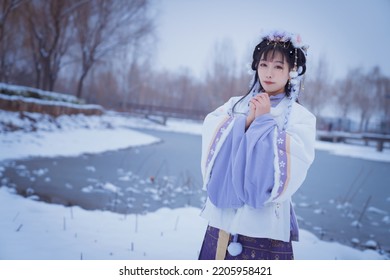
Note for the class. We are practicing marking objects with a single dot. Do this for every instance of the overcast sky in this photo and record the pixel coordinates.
(348, 33)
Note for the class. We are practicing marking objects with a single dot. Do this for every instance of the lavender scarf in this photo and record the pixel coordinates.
(243, 171)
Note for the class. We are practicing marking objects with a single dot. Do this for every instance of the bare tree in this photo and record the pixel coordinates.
(362, 93)
(7, 41)
(318, 88)
(48, 37)
(222, 74)
(374, 102)
(344, 90)
(104, 26)
(135, 75)
(385, 104)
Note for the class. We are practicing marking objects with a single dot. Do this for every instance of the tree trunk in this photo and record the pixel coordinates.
(80, 84)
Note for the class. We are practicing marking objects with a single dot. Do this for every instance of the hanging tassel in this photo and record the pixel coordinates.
(235, 248)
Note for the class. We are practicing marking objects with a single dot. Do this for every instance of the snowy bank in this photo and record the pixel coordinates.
(37, 230)
(43, 136)
(355, 151)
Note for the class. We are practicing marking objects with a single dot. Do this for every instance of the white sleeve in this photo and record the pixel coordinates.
(294, 153)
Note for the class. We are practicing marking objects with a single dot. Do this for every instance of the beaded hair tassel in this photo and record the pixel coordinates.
(295, 82)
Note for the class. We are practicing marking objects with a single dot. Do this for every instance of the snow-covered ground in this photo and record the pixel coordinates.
(36, 230)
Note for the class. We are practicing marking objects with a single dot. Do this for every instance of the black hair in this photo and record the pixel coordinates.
(266, 48)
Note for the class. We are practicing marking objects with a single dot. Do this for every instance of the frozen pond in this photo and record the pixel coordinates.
(344, 199)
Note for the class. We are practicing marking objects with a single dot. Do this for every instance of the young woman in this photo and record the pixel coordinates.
(256, 151)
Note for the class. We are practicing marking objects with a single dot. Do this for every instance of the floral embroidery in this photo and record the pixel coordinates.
(282, 160)
(217, 138)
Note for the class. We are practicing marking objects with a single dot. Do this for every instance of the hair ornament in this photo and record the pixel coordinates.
(293, 74)
(284, 39)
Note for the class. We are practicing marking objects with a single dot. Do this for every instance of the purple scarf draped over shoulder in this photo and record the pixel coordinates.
(243, 171)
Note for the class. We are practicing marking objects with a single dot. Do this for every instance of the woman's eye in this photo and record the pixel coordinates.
(263, 65)
(279, 67)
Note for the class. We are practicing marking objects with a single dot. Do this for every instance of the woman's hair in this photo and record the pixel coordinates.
(295, 57)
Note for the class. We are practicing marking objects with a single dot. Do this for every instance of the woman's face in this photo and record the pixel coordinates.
(273, 73)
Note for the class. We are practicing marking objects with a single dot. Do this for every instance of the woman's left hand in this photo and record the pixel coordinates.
(262, 104)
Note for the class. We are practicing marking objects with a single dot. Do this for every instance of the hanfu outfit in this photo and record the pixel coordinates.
(250, 175)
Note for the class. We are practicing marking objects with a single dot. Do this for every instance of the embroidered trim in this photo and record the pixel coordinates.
(219, 131)
(283, 150)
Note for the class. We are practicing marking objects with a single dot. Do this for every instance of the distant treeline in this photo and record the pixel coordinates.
(103, 51)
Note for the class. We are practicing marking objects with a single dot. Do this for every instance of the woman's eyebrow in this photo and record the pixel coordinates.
(279, 61)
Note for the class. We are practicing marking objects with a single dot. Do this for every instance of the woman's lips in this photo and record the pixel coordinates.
(268, 82)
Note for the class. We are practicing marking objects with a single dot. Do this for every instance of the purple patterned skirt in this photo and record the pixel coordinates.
(253, 248)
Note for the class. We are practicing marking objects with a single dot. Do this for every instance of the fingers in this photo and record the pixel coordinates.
(261, 104)
(262, 97)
